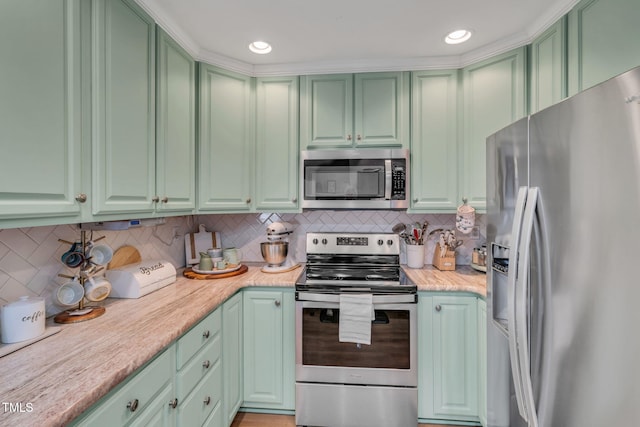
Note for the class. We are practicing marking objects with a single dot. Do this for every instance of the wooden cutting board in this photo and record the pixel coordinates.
(190, 274)
(124, 256)
(194, 243)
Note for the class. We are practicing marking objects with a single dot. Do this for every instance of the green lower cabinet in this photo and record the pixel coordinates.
(448, 357)
(269, 349)
(482, 361)
(232, 356)
(143, 399)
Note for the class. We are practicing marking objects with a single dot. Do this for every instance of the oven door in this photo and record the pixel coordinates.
(390, 360)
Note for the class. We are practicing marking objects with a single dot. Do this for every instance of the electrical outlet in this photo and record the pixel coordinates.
(475, 233)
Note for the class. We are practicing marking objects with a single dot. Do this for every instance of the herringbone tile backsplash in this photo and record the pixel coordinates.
(30, 257)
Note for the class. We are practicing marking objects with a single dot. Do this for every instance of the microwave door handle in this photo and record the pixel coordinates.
(522, 330)
(388, 179)
(512, 289)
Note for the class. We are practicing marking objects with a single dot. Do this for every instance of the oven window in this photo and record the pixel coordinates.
(390, 342)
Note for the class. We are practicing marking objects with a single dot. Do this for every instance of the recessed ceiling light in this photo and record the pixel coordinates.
(457, 36)
(260, 47)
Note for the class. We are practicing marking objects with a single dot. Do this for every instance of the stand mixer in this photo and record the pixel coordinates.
(275, 251)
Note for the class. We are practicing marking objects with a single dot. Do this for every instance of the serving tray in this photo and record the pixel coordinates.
(190, 274)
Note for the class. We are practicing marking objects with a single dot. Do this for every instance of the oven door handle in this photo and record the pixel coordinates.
(377, 299)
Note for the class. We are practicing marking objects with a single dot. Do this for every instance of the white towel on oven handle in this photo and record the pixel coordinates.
(356, 314)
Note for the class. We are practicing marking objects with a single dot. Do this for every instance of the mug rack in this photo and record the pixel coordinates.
(87, 270)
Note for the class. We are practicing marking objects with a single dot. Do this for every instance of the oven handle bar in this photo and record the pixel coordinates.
(377, 299)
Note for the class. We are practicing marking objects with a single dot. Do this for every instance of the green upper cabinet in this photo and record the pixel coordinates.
(434, 145)
(225, 159)
(40, 110)
(348, 111)
(175, 127)
(494, 93)
(123, 125)
(601, 41)
(277, 148)
(548, 72)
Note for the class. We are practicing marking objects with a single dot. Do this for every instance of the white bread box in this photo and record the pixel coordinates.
(137, 280)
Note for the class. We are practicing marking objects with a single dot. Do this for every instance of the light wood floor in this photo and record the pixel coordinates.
(245, 419)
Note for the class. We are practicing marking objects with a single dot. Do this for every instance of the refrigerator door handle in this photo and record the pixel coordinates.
(512, 290)
(522, 327)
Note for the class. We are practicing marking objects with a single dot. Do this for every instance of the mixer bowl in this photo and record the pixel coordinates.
(275, 253)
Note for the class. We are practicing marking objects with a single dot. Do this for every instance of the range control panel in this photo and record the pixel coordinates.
(353, 243)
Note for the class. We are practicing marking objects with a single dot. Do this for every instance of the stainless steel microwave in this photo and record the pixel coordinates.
(355, 179)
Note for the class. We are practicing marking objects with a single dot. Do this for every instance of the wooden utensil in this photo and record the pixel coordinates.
(124, 256)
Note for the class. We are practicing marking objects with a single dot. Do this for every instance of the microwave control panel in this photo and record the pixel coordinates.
(398, 179)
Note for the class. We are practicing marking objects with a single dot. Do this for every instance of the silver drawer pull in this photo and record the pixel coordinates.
(206, 364)
(207, 400)
(133, 405)
(438, 307)
(173, 403)
(205, 334)
(277, 303)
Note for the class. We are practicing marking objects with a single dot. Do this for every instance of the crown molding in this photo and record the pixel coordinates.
(165, 21)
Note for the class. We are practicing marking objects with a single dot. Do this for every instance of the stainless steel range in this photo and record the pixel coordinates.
(356, 338)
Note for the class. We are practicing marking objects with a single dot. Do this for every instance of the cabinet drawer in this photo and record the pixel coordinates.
(138, 393)
(201, 334)
(206, 397)
(199, 366)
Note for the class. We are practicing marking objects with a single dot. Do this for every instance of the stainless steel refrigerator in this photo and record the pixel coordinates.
(563, 294)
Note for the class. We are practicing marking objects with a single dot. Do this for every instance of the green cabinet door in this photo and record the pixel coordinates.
(225, 158)
(232, 356)
(482, 361)
(548, 70)
(434, 142)
(448, 357)
(123, 124)
(40, 110)
(326, 111)
(602, 41)
(276, 178)
(175, 127)
(494, 93)
(269, 349)
(349, 111)
(381, 109)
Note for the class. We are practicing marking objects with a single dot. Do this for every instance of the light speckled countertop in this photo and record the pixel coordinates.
(62, 375)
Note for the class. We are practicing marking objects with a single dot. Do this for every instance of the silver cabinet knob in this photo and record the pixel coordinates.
(205, 334)
(277, 303)
(207, 400)
(248, 200)
(294, 200)
(349, 137)
(206, 364)
(81, 197)
(165, 199)
(438, 307)
(155, 199)
(173, 403)
(133, 405)
(415, 200)
(359, 138)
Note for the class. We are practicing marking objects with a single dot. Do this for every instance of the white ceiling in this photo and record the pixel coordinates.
(350, 35)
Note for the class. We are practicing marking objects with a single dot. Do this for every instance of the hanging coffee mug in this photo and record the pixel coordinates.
(74, 257)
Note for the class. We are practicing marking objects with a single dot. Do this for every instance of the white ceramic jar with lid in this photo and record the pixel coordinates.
(22, 320)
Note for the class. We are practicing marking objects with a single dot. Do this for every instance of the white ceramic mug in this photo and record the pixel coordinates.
(70, 293)
(97, 289)
(101, 254)
(232, 255)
